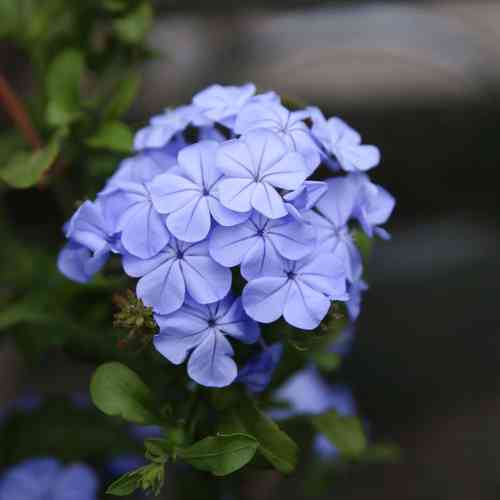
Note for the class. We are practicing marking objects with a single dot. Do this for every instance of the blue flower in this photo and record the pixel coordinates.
(353, 305)
(164, 128)
(335, 208)
(200, 332)
(300, 291)
(190, 195)
(307, 393)
(339, 139)
(221, 103)
(179, 268)
(289, 125)
(46, 478)
(143, 230)
(374, 205)
(304, 198)
(258, 371)
(141, 168)
(260, 244)
(255, 166)
(91, 240)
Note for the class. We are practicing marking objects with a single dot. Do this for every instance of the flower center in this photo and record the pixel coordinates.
(291, 275)
(211, 323)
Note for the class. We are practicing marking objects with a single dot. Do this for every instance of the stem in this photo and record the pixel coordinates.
(18, 114)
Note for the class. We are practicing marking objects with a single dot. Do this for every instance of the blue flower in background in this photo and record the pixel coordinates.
(179, 268)
(190, 196)
(47, 479)
(353, 305)
(91, 240)
(335, 209)
(256, 374)
(255, 166)
(304, 198)
(289, 125)
(260, 244)
(164, 128)
(339, 139)
(222, 103)
(300, 291)
(200, 332)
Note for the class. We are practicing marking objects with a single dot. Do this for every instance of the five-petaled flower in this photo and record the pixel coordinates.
(199, 331)
(190, 195)
(255, 166)
(300, 291)
(179, 268)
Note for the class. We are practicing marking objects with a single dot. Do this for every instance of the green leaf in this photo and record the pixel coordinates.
(222, 454)
(122, 98)
(327, 361)
(125, 485)
(9, 17)
(345, 433)
(25, 169)
(115, 5)
(133, 27)
(63, 87)
(118, 391)
(276, 446)
(115, 136)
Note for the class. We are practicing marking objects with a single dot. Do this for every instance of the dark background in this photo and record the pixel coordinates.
(422, 81)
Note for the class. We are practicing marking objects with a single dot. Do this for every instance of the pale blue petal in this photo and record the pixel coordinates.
(305, 307)
(339, 201)
(224, 216)
(76, 482)
(237, 324)
(198, 163)
(206, 280)
(262, 259)
(288, 172)
(257, 373)
(236, 194)
(267, 201)
(71, 262)
(211, 363)
(264, 298)
(164, 288)
(266, 148)
(171, 192)
(235, 159)
(354, 158)
(292, 239)
(137, 267)
(144, 232)
(229, 245)
(191, 223)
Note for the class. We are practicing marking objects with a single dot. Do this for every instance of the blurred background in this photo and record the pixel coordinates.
(422, 81)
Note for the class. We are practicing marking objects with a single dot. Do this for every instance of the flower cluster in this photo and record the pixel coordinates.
(231, 181)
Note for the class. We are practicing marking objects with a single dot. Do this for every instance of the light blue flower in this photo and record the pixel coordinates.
(222, 103)
(258, 371)
(200, 332)
(178, 269)
(289, 125)
(164, 128)
(300, 291)
(304, 198)
(260, 244)
(353, 305)
(342, 141)
(190, 196)
(335, 209)
(255, 166)
(91, 240)
(47, 479)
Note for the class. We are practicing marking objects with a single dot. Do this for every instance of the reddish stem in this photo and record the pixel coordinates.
(18, 114)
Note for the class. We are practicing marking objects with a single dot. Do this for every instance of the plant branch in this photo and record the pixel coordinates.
(18, 114)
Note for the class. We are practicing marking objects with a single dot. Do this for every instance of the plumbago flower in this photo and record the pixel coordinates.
(223, 197)
(46, 478)
(201, 331)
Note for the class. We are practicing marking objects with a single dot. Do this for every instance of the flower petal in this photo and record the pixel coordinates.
(266, 148)
(291, 238)
(264, 298)
(137, 267)
(339, 201)
(236, 194)
(229, 245)
(211, 363)
(234, 159)
(267, 201)
(76, 482)
(224, 216)
(262, 259)
(190, 223)
(171, 192)
(289, 172)
(206, 280)
(144, 232)
(305, 307)
(198, 163)
(163, 288)
(236, 323)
